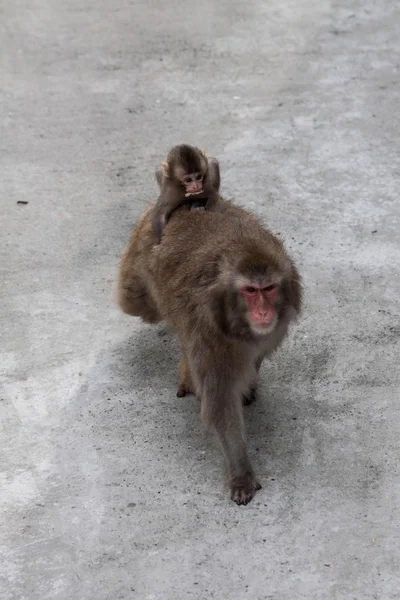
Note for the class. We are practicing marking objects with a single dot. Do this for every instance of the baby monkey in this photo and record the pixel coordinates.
(186, 176)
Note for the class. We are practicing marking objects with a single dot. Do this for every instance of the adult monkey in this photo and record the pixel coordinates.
(230, 290)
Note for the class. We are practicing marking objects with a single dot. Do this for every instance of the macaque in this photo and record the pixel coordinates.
(186, 176)
(230, 290)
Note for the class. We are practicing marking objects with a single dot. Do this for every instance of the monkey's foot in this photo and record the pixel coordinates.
(250, 397)
(184, 390)
(244, 488)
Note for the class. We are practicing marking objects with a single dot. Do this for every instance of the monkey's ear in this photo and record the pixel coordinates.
(293, 289)
(297, 291)
(165, 166)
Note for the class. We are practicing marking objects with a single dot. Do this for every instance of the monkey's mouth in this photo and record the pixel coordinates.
(261, 328)
(192, 193)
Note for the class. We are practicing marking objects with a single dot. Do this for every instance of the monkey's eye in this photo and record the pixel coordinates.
(199, 177)
(270, 288)
(187, 179)
(250, 289)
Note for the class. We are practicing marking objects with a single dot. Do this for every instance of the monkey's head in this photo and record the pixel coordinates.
(187, 167)
(260, 290)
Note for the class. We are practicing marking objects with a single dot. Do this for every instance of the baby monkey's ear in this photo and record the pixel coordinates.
(162, 173)
(165, 166)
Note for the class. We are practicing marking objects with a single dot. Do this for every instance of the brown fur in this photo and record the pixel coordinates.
(188, 281)
(183, 160)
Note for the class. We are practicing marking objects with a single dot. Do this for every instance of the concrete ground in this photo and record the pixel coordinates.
(110, 488)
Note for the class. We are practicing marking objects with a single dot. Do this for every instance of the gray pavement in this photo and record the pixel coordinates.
(109, 487)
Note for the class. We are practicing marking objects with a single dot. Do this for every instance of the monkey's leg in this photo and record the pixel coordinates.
(186, 386)
(251, 395)
(135, 300)
(222, 412)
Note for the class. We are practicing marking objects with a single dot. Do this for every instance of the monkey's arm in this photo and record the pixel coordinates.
(208, 197)
(220, 389)
(170, 198)
(214, 174)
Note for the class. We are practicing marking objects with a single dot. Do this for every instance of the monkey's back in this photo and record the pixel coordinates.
(186, 264)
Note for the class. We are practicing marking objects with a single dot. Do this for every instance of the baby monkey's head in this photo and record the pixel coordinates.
(187, 166)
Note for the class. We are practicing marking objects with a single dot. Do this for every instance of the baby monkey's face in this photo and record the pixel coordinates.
(191, 176)
(193, 183)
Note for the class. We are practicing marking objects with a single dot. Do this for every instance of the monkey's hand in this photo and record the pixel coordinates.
(243, 488)
(198, 205)
(250, 396)
(184, 390)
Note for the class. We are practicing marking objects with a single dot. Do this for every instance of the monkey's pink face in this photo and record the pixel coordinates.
(193, 183)
(261, 305)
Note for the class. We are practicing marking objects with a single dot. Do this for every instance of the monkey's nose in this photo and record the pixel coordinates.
(194, 187)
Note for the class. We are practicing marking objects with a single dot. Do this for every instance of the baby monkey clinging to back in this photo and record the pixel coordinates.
(186, 176)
